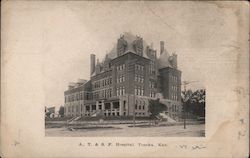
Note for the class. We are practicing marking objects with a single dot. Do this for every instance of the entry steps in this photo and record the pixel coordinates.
(168, 118)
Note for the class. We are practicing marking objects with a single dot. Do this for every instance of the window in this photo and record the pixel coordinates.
(139, 78)
(123, 90)
(124, 104)
(110, 92)
(120, 67)
(117, 91)
(120, 79)
(139, 91)
(120, 91)
(139, 67)
(152, 94)
(152, 84)
(136, 92)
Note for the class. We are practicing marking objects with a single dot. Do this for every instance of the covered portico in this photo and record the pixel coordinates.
(107, 108)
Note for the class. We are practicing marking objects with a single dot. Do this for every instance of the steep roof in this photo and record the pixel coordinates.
(130, 38)
(163, 60)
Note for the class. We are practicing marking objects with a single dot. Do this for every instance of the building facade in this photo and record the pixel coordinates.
(124, 82)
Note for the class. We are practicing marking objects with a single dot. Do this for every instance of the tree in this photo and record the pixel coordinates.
(61, 111)
(156, 107)
(198, 100)
(47, 112)
(194, 102)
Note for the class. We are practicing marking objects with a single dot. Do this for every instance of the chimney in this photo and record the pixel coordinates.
(92, 63)
(161, 47)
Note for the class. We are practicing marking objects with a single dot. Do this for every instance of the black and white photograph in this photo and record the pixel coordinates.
(134, 87)
(128, 76)
(124, 79)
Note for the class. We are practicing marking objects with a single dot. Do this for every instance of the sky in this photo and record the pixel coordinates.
(65, 33)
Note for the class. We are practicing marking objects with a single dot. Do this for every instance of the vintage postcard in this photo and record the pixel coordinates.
(124, 79)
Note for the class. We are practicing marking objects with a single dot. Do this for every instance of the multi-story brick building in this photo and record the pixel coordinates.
(124, 82)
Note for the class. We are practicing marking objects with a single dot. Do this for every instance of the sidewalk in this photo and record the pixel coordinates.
(123, 130)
